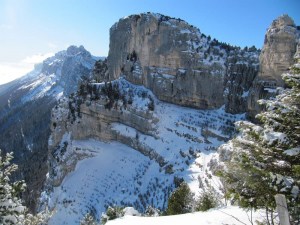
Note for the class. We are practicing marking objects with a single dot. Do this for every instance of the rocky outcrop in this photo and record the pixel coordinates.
(276, 57)
(179, 63)
(81, 118)
(241, 71)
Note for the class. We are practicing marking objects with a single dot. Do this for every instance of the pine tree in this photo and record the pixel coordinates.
(207, 200)
(266, 157)
(88, 220)
(181, 200)
(11, 209)
(41, 218)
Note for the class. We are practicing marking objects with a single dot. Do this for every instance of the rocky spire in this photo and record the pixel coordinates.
(276, 57)
(278, 50)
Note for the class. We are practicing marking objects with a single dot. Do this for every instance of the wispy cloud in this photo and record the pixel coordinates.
(12, 70)
(36, 58)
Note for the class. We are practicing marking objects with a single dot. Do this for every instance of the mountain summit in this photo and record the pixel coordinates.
(25, 109)
(180, 64)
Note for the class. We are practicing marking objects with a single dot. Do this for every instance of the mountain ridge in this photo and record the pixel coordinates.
(139, 96)
(135, 102)
(25, 111)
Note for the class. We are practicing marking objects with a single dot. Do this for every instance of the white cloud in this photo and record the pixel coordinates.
(12, 70)
(36, 58)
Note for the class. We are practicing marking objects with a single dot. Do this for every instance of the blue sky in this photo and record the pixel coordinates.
(31, 29)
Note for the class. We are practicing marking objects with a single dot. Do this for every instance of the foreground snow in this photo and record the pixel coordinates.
(229, 215)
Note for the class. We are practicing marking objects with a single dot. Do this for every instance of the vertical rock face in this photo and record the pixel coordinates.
(241, 71)
(279, 48)
(276, 57)
(177, 62)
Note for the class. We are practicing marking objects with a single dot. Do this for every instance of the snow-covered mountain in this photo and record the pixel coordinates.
(129, 141)
(127, 136)
(25, 108)
(133, 154)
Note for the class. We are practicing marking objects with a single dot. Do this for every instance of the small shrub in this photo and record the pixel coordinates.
(207, 200)
(152, 212)
(88, 219)
(151, 104)
(112, 213)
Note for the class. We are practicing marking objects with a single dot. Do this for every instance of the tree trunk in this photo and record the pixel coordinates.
(282, 209)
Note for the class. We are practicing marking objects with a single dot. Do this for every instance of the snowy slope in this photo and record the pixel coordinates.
(112, 173)
(102, 179)
(58, 75)
(25, 112)
(227, 215)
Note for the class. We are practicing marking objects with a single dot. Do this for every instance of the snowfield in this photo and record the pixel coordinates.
(92, 185)
(228, 215)
(181, 140)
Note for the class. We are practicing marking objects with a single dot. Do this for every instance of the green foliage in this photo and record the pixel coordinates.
(180, 201)
(11, 209)
(112, 92)
(266, 157)
(295, 70)
(112, 213)
(152, 212)
(207, 200)
(88, 220)
(41, 218)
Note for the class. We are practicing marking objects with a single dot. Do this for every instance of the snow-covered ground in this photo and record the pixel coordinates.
(100, 180)
(115, 174)
(232, 215)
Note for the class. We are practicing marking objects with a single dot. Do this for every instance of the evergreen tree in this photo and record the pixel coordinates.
(181, 200)
(11, 209)
(207, 200)
(112, 213)
(266, 157)
(41, 218)
(88, 220)
(151, 211)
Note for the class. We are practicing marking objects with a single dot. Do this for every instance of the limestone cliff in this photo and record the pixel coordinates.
(180, 64)
(276, 57)
(92, 114)
(153, 57)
